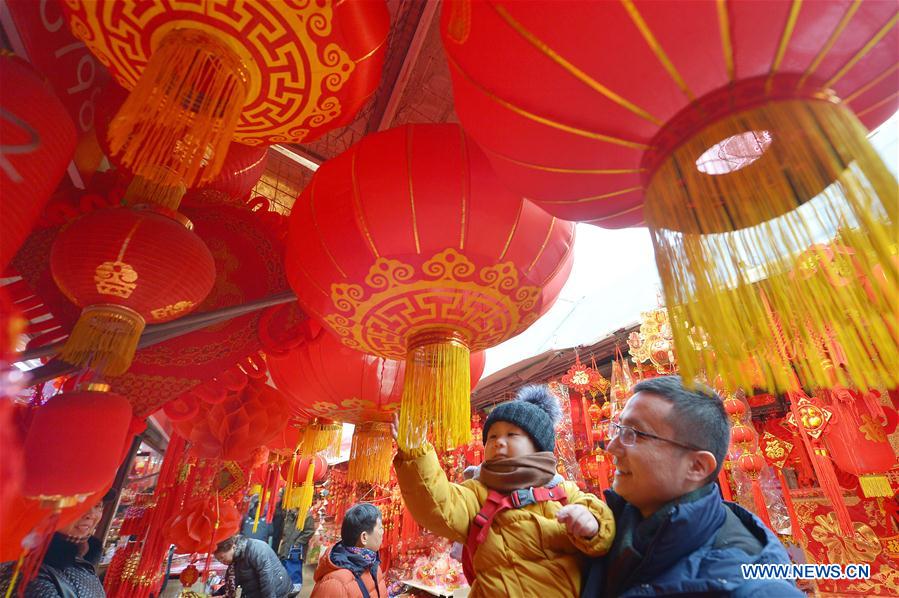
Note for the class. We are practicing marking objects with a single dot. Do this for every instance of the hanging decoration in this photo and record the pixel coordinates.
(714, 134)
(371, 453)
(653, 343)
(202, 74)
(621, 384)
(407, 277)
(38, 143)
(581, 378)
(125, 267)
(203, 523)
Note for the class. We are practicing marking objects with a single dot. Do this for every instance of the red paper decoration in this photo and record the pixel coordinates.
(38, 142)
(202, 524)
(126, 267)
(93, 427)
(302, 468)
(437, 259)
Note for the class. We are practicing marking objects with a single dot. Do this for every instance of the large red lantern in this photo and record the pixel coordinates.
(710, 122)
(125, 267)
(92, 426)
(324, 378)
(203, 73)
(435, 261)
(38, 143)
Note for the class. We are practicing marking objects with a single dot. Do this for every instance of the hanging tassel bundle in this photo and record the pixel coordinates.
(724, 204)
(795, 527)
(104, 338)
(143, 190)
(436, 391)
(175, 126)
(302, 498)
(321, 436)
(371, 453)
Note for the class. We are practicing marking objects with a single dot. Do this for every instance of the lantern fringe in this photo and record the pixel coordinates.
(183, 111)
(321, 437)
(371, 454)
(727, 248)
(104, 338)
(436, 392)
(142, 190)
(875, 485)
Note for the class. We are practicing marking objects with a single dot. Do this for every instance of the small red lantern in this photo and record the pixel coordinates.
(742, 436)
(92, 427)
(735, 408)
(126, 267)
(301, 468)
(38, 143)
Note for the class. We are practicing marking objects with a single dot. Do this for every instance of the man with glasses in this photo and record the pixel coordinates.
(675, 535)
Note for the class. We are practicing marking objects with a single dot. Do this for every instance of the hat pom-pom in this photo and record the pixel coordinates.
(539, 395)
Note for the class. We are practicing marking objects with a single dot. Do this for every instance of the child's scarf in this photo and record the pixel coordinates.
(515, 473)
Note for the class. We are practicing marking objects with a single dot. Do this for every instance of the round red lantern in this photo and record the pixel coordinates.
(38, 143)
(203, 74)
(301, 469)
(436, 261)
(735, 409)
(92, 426)
(202, 524)
(742, 436)
(710, 122)
(243, 166)
(125, 267)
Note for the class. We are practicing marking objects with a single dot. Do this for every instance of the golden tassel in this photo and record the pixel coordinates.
(176, 124)
(288, 488)
(733, 249)
(303, 500)
(146, 191)
(436, 391)
(104, 338)
(321, 437)
(874, 485)
(371, 454)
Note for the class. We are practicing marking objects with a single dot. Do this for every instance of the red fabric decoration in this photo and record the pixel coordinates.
(202, 524)
(285, 442)
(38, 143)
(324, 378)
(245, 414)
(302, 468)
(93, 427)
(243, 166)
(611, 74)
(11, 465)
(433, 239)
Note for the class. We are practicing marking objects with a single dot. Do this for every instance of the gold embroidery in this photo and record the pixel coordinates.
(115, 278)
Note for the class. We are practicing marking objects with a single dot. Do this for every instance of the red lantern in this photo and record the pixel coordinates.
(742, 436)
(202, 524)
(202, 75)
(38, 143)
(238, 415)
(243, 166)
(126, 267)
(701, 119)
(752, 465)
(324, 378)
(437, 260)
(735, 409)
(92, 426)
(301, 468)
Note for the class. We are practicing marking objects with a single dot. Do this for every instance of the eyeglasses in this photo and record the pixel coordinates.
(628, 436)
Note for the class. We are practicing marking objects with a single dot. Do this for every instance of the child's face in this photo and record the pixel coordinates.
(507, 440)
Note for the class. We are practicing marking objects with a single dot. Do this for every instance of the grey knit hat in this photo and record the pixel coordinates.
(535, 410)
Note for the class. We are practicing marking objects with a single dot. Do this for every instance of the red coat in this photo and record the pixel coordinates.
(334, 577)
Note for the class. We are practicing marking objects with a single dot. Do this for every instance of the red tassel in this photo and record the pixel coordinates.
(761, 508)
(723, 483)
(34, 547)
(795, 528)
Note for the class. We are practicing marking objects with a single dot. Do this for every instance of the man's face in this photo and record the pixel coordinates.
(652, 472)
(372, 540)
(225, 557)
(505, 440)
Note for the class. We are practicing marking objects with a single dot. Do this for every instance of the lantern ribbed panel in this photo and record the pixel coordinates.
(38, 143)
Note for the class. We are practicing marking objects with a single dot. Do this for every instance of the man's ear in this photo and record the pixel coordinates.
(702, 465)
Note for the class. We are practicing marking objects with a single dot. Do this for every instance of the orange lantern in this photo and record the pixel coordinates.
(38, 142)
(203, 73)
(436, 261)
(712, 123)
(125, 267)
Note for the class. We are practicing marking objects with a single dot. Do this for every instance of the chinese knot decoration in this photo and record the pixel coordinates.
(582, 378)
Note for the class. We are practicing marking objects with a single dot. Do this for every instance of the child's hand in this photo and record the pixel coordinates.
(578, 520)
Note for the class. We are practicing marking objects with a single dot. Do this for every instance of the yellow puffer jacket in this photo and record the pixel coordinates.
(526, 552)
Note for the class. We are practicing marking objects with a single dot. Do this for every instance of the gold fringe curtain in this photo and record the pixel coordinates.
(371, 454)
(733, 251)
(436, 392)
(104, 338)
(321, 437)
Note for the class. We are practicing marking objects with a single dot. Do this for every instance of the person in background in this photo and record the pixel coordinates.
(676, 536)
(255, 567)
(293, 543)
(351, 568)
(264, 529)
(525, 530)
(69, 566)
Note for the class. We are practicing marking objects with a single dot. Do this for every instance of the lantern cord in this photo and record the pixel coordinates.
(436, 392)
(176, 124)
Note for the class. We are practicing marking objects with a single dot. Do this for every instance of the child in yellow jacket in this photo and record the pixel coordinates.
(537, 549)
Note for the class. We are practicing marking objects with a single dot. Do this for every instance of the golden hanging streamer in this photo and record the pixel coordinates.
(727, 245)
(321, 437)
(875, 485)
(176, 124)
(371, 454)
(301, 497)
(104, 338)
(146, 191)
(436, 392)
